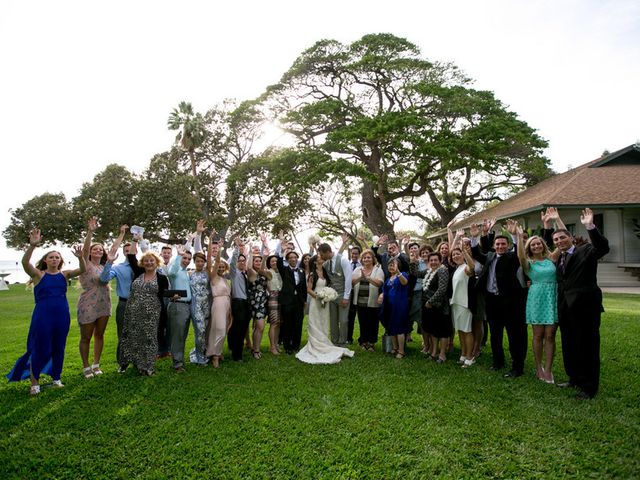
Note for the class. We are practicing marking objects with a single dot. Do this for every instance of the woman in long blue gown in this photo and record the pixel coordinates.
(50, 320)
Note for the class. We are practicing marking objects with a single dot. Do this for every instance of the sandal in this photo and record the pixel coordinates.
(399, 355)
(96, 369)
(215, 362)
(256, 354)
(34, 390)
(394, 351)
(87, 372)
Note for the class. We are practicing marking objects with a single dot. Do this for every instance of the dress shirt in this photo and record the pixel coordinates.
(179, 278)
(123, 275)
(296, 274)
(238, 278)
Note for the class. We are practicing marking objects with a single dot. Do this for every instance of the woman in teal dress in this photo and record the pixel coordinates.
(542, 305)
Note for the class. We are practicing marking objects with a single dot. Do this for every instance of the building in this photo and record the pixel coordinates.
(610, 186)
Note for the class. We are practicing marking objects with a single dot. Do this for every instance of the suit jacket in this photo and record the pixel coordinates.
(506, 272)
(291, 293)
(577, 285)
(384, 258)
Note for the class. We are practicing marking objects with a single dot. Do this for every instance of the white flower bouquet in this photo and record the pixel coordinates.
(315, 239)
(326, 295)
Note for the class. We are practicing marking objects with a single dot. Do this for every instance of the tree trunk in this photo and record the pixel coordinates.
(373, 212)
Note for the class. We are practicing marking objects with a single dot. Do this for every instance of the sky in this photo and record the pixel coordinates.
(86, 84)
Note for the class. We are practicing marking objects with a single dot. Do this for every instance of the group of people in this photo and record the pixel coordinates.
(471, 280)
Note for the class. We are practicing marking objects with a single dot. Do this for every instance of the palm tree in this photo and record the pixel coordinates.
(191, 130)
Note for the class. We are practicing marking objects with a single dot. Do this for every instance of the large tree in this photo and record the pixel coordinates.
(50, 212)
(404, 129)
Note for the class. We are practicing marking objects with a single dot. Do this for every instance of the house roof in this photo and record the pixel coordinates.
(612, 180)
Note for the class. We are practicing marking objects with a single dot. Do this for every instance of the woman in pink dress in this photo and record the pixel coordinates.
(94, 304)
(220, 307)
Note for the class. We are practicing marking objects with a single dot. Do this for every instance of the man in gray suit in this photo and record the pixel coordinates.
(340, 273)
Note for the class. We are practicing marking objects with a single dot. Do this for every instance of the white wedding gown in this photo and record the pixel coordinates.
(319, 349)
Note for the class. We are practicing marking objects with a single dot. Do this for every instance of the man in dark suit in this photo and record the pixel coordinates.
(580, 306)
(292, 298)
(505, 301)
(392, 251)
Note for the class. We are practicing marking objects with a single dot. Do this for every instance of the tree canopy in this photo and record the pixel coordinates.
(374, 124)
(407, 132)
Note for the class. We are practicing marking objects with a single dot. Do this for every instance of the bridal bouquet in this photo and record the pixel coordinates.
(325, 295)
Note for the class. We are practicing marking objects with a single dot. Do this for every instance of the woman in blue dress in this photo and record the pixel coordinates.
(394, 311)
(50, 320)
(542, 307)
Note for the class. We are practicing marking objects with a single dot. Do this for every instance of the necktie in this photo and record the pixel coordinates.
(246, 282)
(354, 265)
(563, 261)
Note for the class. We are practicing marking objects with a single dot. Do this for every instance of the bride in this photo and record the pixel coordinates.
(319, 348)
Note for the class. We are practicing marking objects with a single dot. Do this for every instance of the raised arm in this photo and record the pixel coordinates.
(92, 225)
(468, 260)
(78, 252)
(345, 242)
(598, 241)
(120, 238)
(34, 239)
(522, 255)
(197, 240)
(450, 232)
(456, 239)
(554, 216)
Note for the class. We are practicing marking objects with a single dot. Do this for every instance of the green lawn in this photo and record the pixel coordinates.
(368, 417)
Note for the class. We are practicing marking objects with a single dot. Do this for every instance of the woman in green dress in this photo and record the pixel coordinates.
(542, 306)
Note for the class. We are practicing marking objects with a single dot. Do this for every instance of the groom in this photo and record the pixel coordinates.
(292, 298)
(340, 273)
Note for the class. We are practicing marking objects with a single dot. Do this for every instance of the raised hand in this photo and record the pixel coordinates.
(450, 224)
(360, 235)
(383, 239)
(200, 227)
(344, 237)
(281, 235)
(263, 238)
(474, 230)
(488, 224)
(511, 226)
(586, 218)
(460, 233)
(123, 229)
(35, 237)
(552, 214)
(77, 251)
(237, 241)
(92, 224)
(518, 229)
(180, 249)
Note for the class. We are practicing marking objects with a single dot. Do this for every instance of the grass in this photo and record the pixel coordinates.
(369, 417)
